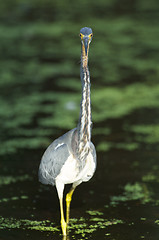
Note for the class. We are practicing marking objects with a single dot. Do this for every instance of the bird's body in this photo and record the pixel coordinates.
(72, 157)
(60, 164)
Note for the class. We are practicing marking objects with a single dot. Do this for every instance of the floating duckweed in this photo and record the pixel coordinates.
(13, 199)
(44, 228)
(135, 191)
(97, 219)
(157, 222)
(10, 223)
(103, 131)
(78, 225)
(3, 200)
(87, 226)
(150, 177)
(147, 133)
(107, 234)
(112, 222)
(99, 223)
(73, 220)
(127, 146)
(81, 219)
(24, 197)
(106, 146)
(93, 226)
(83, 231)
(143, 219)
(5, 180)
(94, 213)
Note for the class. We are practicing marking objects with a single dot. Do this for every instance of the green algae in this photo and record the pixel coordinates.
(146, 133)
(81, 227)
(94, 212)
(133, 192)
(118, 102)
(93, 224)
(101, 131)
(6, 180)
(112, 98)
(108, 234)
(143, 219)
(96, 219)
(6, 223)
(4, 200)
(151, 177)
(40, 225)
(42, 50)
(89, 225)
(157, 222)
(11, 223)
(106, 146)
(47, 81)
(127, 146)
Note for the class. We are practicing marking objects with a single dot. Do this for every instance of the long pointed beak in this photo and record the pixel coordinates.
(86, 44)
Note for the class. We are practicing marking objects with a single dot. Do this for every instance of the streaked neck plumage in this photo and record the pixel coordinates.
(84, 125)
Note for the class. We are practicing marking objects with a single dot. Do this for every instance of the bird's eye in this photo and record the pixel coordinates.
(91, 35)
(80, 35)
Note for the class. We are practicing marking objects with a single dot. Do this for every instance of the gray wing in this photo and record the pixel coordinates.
(54, 158)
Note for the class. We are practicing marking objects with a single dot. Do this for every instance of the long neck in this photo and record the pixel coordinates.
(84, 125)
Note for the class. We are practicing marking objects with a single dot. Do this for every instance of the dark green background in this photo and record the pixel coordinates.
(40, 92)
(40, 61)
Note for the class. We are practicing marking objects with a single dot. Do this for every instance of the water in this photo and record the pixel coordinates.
(120, 202)
(40, 98)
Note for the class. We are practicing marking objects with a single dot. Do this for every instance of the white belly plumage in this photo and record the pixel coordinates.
(70, 173)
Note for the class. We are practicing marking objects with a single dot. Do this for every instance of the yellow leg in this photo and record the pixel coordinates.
(68, 202)
(63, 223)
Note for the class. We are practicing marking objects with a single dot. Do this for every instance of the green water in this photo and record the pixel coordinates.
(40, 93)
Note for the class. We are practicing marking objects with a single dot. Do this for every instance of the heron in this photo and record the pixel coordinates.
(71, 158)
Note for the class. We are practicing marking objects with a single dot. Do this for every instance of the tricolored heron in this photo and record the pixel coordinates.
(72, 157)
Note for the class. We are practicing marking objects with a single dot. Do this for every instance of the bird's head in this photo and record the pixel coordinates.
(86, 35)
